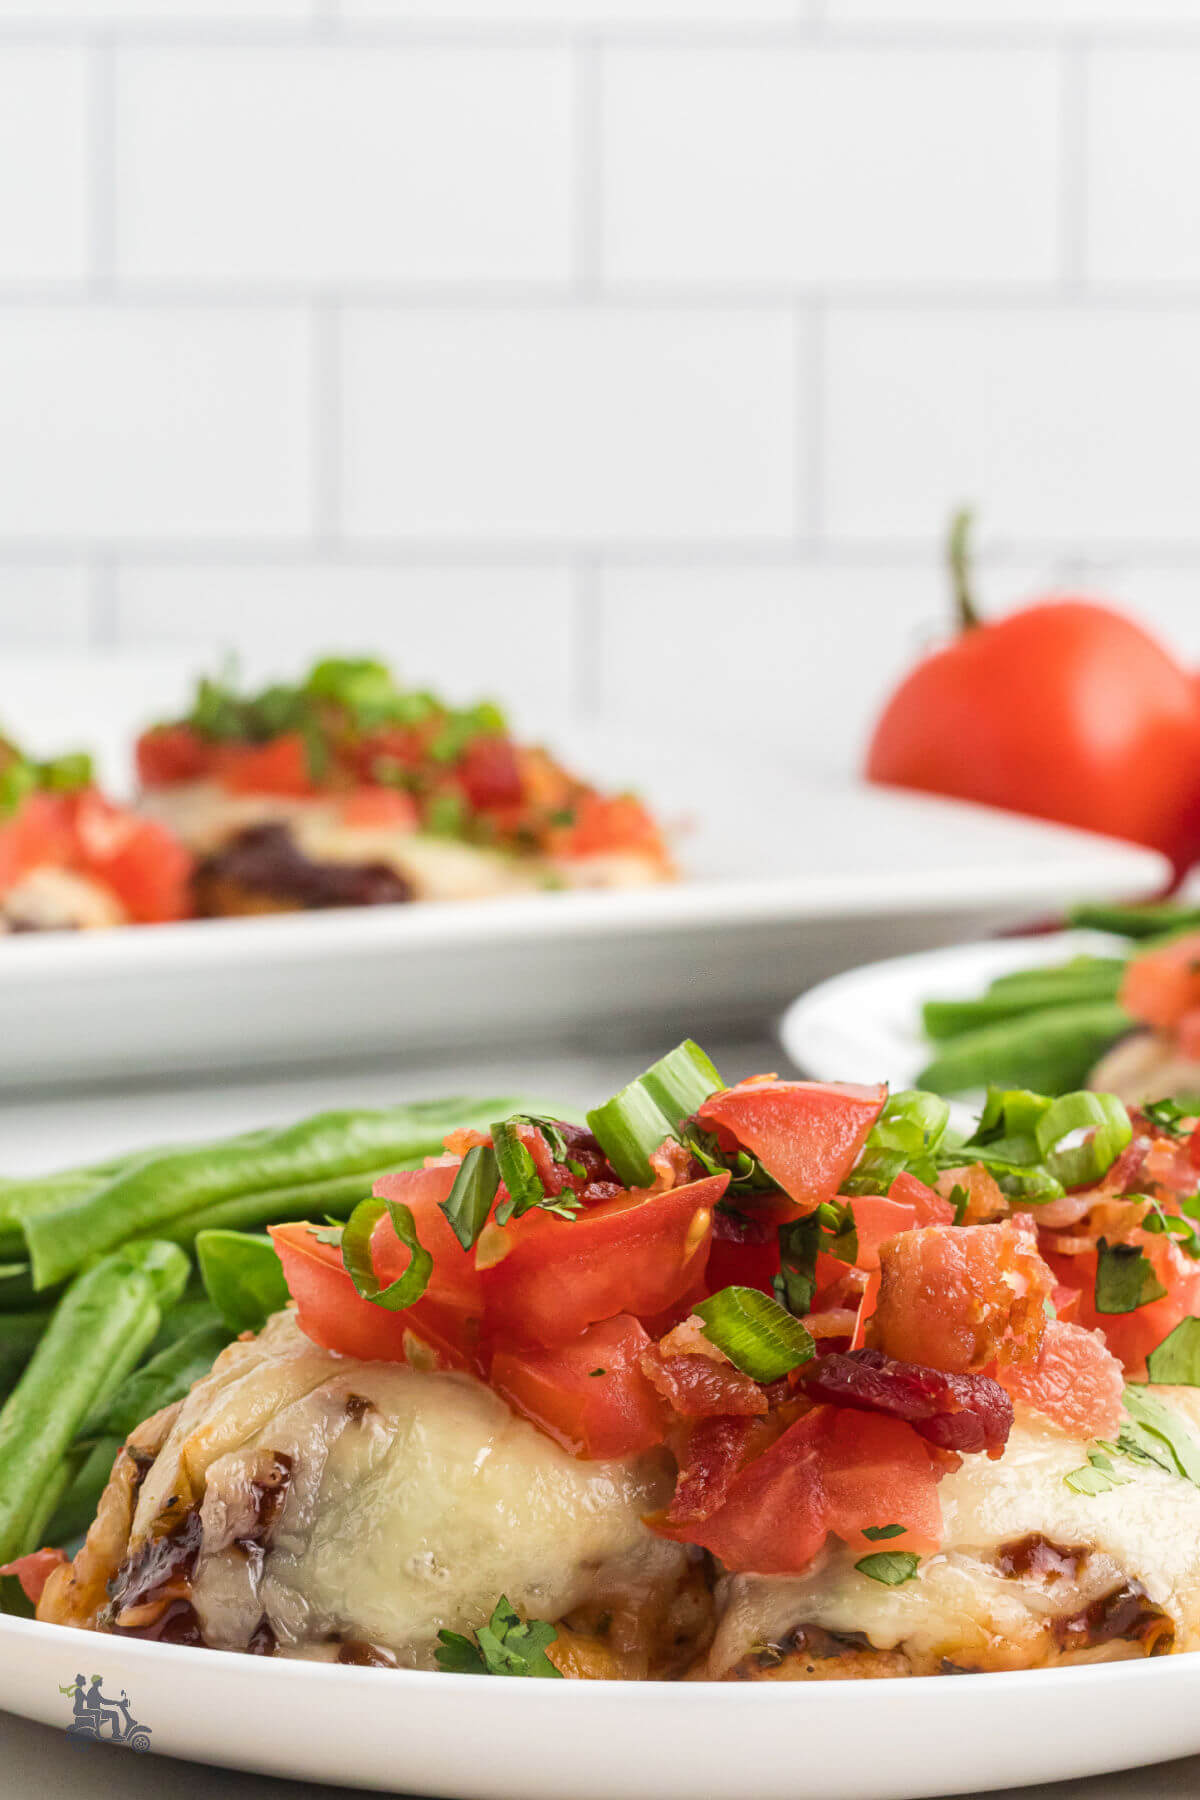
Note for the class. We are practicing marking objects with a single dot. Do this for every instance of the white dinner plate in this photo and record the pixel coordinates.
(865, 1025)
(480, 1739)
(788, 879)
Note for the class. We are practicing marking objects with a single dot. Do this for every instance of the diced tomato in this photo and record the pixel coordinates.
(140, 860)
(34, 1571)
(877, 1471)
(277, 767)
(490, 773)
(590, 1395)
(710, 1454)
(773, 1519)
(1131, 1336)
(39, 832)
(638, 1254)
(383, 808)
(700, 1386)
(927, 1204)
(745, 1253)
(605, 824)
(866, 1309)
(172, 753)
(333, 1314)
(455, 1280)
(1065, 1302)
(959, 1297)
(1075, 1381)
(1160, 986)
(910, 1206)
(806, 1134)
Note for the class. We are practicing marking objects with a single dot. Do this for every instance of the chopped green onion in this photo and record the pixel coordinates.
(632, 1125)
(469, 1201)
(1103, 1116)
(755, 1333)
(876, 1532)
(1176, 1361)
(1125, 1278)
(518, 1172)
(892, 1567)
(906, 1136)
(356, 1255)
(1008, 1125)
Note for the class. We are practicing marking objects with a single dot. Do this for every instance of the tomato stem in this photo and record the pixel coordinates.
(958, 556)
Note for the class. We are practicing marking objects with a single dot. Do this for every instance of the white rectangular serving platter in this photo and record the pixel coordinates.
(478, 1739)
(788, 878)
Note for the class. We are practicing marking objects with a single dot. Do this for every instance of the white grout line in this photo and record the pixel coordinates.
(102, 170)
(326, 425)
(812, 422)
(587, 187)
(1073, 166)
(585, 641)
(441, 553)
(103, 619)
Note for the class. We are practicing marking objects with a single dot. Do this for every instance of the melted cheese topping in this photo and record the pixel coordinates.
(961, 1607)
(204, 816)
(414, 1500)
(52, 899)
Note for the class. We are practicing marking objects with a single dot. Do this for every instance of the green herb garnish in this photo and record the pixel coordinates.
(407, 1289)
(892, 1567)
(506, 1645)
(757, 1335)
(1176, 1361)
(876, 1532)
(1125, 1278)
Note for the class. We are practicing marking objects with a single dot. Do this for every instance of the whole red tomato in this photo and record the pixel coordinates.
(1066, 710)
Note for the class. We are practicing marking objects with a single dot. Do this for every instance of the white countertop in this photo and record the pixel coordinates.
(38, 1133)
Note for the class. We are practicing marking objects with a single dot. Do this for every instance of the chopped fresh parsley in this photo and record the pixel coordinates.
(892, 1567)
(1099, 1476)
(1176, 1361)
(1125, 1278)
(506, 1645)
(830, 1231)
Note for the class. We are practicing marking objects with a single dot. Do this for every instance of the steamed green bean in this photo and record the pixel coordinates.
(99, 1332)
(167, 1190)
(1051, 1051)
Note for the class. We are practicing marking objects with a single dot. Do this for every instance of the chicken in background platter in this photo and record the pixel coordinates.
(343, 789)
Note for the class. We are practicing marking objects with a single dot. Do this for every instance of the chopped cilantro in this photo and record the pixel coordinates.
(892, 1567)
(506, 1645)
(1125, 1278)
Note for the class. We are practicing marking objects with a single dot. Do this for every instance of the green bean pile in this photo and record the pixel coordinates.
(1045, 1028)
(121, 1282)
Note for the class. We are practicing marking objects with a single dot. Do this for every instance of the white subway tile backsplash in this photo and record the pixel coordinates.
(324, 164)
(580, 12)
(43, 163)
(1048, 13)
(1066, 425)
(733, 166)
(573, 425)
(164, 13)
(1143, 152)
(134, 423)
(806, 653)
(44, 604)
(465, 631)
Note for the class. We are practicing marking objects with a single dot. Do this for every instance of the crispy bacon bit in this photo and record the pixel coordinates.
(695, 1387)
(985, 1199)
(673, 1166)
(712, 1454)
(962, 1413)
(599, 1178)
(961, 1297)
(1076, 1381)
